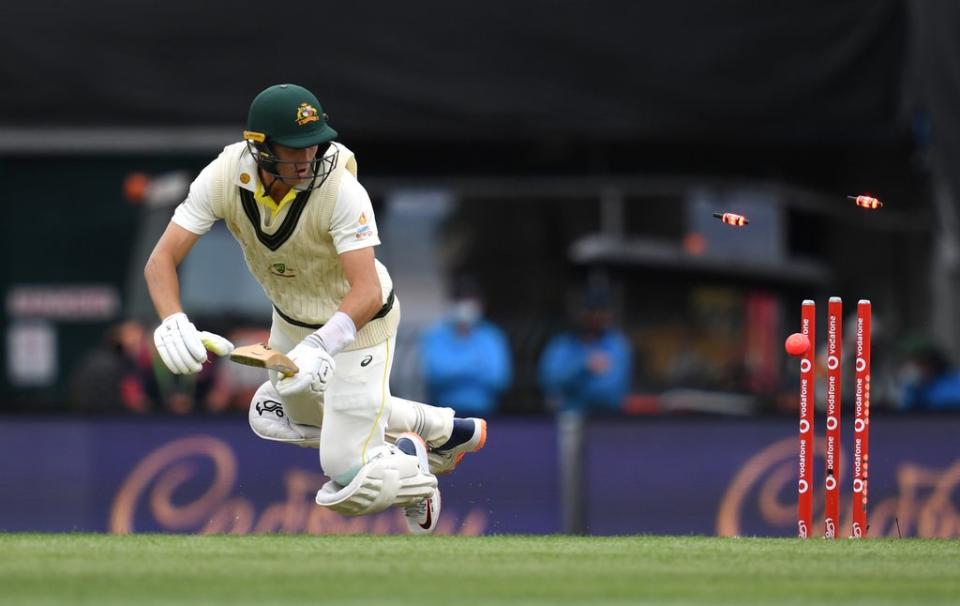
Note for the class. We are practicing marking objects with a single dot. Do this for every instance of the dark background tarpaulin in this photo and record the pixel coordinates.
(776, 71)
(934, 82)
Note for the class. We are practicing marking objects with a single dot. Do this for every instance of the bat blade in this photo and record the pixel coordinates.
(262, 356)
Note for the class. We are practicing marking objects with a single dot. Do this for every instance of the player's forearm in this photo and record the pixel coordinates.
(160, 273)
(161, 269)
(362, 302)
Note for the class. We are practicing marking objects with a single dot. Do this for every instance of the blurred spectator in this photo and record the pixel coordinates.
(588, 368)
(199, 393)
(120, 375)
(116, 376)
(234, 385)
(931, 382)
(186, 394)
(466, 359)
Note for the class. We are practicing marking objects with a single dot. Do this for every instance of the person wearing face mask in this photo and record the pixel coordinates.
(466, 359)
(588, 367)
(930, 381)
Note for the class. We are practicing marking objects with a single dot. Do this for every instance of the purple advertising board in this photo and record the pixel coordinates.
(166, 474)
(734, 477)
(646, 475)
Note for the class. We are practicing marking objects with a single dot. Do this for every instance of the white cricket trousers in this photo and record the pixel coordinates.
(357, 413)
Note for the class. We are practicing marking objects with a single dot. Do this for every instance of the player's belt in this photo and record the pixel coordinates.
(383, 311)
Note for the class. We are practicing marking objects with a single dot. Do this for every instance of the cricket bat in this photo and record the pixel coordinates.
(261, 356)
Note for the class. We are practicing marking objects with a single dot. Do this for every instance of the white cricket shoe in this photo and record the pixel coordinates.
(421, 517)
(445, 461)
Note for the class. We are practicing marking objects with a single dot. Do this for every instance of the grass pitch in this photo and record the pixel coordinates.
(275, 569)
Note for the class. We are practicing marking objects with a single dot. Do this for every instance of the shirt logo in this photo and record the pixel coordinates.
(363, 219)
(244, 178)
(281, 270)
(306, 114)
(366, 361)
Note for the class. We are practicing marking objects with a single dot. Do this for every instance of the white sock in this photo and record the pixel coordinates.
(432, 423)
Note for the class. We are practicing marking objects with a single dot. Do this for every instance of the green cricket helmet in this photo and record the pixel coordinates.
(289, 115)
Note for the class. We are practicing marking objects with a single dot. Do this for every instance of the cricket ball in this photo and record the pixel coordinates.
(797, 344)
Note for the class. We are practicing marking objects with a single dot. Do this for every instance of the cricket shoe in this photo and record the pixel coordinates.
(421, 517)
(469, 435)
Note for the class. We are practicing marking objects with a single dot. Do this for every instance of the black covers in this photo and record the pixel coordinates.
(741, 70)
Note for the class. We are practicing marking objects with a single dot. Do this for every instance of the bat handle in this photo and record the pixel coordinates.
(286, 370)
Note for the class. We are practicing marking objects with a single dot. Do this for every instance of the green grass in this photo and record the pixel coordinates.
(453, 571)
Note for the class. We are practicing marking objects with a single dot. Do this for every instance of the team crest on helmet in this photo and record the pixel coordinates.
(306, 114)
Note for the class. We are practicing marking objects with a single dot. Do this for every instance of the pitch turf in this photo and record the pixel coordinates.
(454, 571)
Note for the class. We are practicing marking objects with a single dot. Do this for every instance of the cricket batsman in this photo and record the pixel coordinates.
(289, 195)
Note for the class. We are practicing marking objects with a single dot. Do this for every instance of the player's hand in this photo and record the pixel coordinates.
(316, 369)
(183, 348)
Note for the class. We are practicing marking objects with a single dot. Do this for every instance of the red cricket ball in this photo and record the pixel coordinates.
(797, 344)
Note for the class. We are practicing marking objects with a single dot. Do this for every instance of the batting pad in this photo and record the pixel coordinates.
(391, 478)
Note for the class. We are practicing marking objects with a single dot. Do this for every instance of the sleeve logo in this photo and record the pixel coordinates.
(364, 230)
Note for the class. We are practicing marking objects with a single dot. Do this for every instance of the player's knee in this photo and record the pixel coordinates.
(266, 399)
(302, 408)
(389, 477)
(266, 415)
(269, 420)
(340, 462)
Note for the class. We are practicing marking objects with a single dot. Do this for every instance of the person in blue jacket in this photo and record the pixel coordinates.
(931, 382)
(588, 368)
(466, 358)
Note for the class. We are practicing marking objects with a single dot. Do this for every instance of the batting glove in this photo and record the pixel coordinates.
(183, 348)
(316, 369)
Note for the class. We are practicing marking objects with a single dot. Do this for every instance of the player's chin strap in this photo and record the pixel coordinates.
(269, 167)
(267, 161)
(390, 478)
